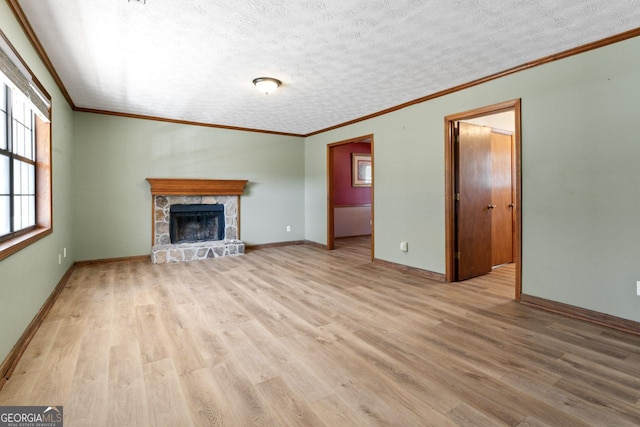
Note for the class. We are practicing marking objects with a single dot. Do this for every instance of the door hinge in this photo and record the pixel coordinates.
(457, 255)
(458, 196)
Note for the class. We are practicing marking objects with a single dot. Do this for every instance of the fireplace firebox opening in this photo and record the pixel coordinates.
(196, 223)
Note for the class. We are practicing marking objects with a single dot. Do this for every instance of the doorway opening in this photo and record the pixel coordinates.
(350, 191)
(483, 192)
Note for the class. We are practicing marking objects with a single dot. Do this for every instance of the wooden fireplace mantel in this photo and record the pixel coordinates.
(196, 187)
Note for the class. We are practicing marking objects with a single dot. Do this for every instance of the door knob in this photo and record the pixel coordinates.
(491, 206)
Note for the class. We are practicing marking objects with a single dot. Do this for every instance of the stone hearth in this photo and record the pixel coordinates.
(168, 192)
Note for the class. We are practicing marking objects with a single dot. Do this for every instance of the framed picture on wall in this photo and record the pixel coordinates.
(361, 173)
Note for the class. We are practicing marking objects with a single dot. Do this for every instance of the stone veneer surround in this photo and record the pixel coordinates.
(179, 191)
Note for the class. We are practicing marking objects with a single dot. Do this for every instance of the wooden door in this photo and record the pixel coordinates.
(473, 197)
(502, 198)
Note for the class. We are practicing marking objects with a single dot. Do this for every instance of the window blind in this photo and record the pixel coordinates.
(16, 74)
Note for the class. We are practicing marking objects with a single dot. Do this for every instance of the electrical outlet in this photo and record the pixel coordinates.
(404, 246)
(638, 286)
(288, 228)
(64, 252)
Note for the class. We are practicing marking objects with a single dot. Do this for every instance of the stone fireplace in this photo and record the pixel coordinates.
(195, 219)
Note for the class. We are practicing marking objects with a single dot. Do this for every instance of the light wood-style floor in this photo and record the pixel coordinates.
(302, 336)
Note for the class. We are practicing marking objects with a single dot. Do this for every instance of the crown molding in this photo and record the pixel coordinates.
(183, 122)
(545, 60)
(24, 22)
(35, 42)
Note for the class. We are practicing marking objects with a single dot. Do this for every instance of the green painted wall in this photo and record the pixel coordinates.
(28, 277)
(115, 155)
(581, 192)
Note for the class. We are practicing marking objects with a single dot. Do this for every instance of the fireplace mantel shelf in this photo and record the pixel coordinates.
(196, 187)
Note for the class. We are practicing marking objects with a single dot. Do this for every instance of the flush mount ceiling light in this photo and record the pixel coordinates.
(267, 84)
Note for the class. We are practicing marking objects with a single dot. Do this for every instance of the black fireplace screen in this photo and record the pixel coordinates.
(196, 223)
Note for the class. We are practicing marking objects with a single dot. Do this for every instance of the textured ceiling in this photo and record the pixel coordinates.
(339, 60)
